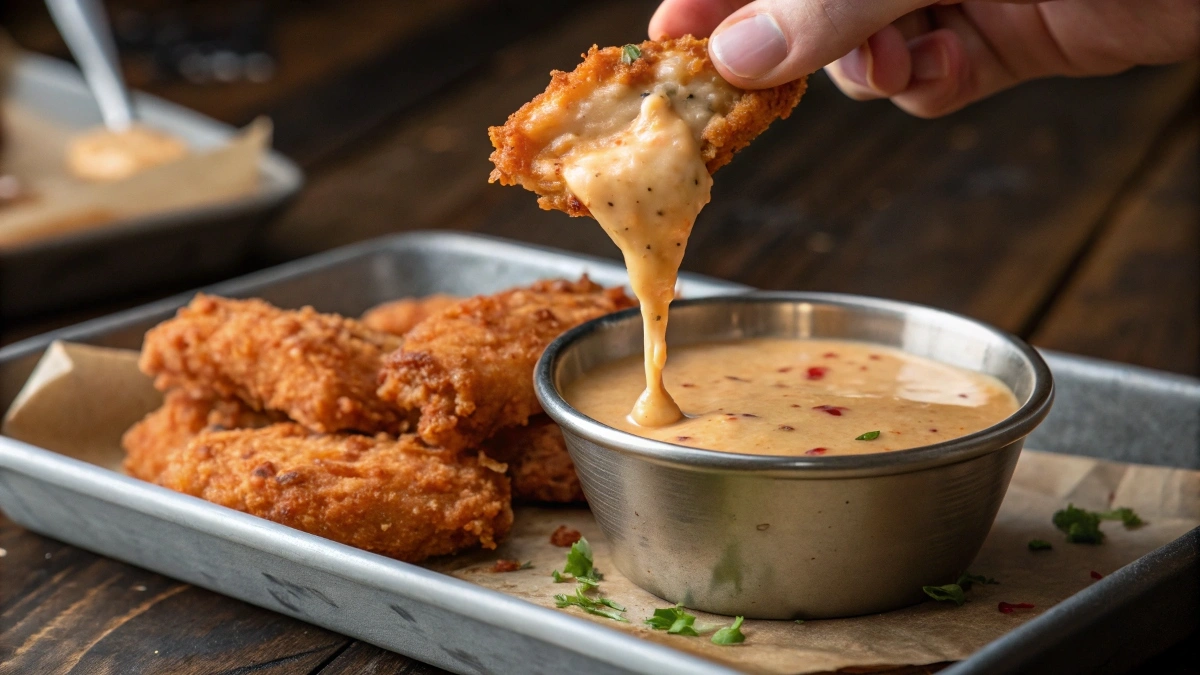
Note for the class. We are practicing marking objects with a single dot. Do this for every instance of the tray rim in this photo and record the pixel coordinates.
(15, 455)
(280, 178)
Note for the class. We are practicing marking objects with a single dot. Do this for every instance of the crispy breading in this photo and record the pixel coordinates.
(469, 369)
(148, 443)
(400, 316)
(530, 145)
(396, 497)
(539, 465)
(318, 369)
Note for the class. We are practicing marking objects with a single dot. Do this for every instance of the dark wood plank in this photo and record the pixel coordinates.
(64, 609)
(1136, 297)
(362, 658)
(435, 164)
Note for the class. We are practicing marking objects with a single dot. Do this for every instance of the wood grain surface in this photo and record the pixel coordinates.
(1067, 211)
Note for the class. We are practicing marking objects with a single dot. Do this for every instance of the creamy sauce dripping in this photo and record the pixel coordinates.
(645, 186)
(801, 397)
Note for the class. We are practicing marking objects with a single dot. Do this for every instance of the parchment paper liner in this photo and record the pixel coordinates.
(80, 399)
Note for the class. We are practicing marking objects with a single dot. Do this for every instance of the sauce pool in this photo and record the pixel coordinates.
(800, 397)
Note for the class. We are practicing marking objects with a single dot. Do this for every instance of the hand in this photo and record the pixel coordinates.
(931, 58)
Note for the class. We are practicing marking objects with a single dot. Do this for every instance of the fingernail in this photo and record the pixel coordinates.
(929, 61)
(856, 65)
(751, 47)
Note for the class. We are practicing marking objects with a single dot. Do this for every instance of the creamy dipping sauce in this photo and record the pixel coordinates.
(800, 397)
(645, 182)
(104, 155)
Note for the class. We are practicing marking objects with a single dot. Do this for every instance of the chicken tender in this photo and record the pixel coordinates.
(317, 369)
(539, 465)
(602, 97)
(396, 497)
(148, 443)
(400, 316)
(469, 369)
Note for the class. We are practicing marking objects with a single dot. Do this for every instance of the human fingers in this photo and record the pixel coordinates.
(880, 67)
(768, 42)
(675, 18)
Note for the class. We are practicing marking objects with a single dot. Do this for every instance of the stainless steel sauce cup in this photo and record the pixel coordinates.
(796, 537)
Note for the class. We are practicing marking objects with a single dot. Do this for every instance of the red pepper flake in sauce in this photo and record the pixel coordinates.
(874, 357)
(564, 536)
(1007, 608)
(687, 385)
(817, 372)
(683, 439)
(785, 369)
(506, 566)
(816, 451)
(735, 378)
(784, 427)
(830, 355)
(835, 410)
(1097, 575)
(933, 431)
(749, 415)
(962, 396)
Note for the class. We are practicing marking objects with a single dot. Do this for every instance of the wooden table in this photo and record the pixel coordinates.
(1064, 211)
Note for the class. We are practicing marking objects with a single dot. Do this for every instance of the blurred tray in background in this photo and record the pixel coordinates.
(136, 254)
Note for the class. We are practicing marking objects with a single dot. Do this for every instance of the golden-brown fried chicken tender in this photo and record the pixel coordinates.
(400, 316)
(396, 497)
(318, 369)
(148, 443)
(602, 97)
(539, 465)
(469, 369)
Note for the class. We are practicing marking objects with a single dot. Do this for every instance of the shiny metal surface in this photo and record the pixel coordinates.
(796, 537)
(84, 27)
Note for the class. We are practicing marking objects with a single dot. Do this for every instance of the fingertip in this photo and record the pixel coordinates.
(676, 18)
(889, 67)
(941, 76)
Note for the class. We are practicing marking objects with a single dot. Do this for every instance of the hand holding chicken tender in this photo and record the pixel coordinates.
(588, 107)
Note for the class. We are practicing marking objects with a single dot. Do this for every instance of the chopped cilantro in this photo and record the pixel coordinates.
(579, 566)
(598, 606)
(869, 436)
(1082, 527)
(1039, 545)
(674, 620)
(1123, 514)
(967, 580)
(730, 635)
(948, 593)
(527, 565)
(630, 53)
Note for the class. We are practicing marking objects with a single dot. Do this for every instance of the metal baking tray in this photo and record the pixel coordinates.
(1123, 619)
(134, 254)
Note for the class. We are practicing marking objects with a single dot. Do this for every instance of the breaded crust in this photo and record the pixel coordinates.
(318, 369)
(400, 316)
(517, 144)
(538, 462)
(469, 370)
(396, 497)
(149, 443)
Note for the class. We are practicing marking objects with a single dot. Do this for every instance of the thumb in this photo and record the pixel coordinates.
(769, 42)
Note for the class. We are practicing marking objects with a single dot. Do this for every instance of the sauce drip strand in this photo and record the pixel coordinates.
(645, 186)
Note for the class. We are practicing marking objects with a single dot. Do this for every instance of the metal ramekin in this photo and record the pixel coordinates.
(796, 537)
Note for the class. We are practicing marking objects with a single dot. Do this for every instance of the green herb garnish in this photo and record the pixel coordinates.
(1082, 527)
(630, 53)
(674, 620)
(869, 436)
(598, 606)
(799, 620)
(1039, 545)
(948, 593)
(730, 635)
(579, 566)
(967, 580)
(1123, 514)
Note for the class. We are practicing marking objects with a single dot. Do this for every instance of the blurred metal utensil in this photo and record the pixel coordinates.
(85, 28)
